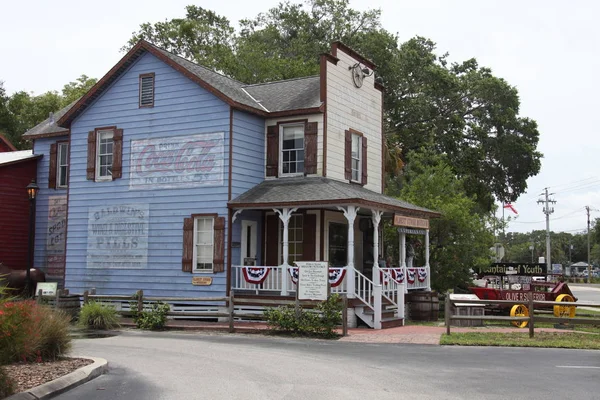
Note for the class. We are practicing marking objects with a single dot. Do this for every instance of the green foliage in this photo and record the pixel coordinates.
(7, 386)
(74, 90)
(95, 315)
(461, 238)
(30, 332)
(321, 322)
(153, 319)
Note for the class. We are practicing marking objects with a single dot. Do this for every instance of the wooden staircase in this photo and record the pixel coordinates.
(389, 314)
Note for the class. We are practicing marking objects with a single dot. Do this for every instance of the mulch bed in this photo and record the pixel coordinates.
(30, 375)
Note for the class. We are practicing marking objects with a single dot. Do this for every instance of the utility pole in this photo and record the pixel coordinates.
(587, 209)
(547, 210)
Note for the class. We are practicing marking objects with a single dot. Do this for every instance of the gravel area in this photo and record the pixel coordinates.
(29, 375)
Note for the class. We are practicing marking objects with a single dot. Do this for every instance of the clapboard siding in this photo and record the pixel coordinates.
(248, 152)
(356, 108)
(181, 108)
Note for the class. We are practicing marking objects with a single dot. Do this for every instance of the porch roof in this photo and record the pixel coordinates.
(321, 192)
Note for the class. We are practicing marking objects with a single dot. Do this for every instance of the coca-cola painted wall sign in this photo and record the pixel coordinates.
(177, 162)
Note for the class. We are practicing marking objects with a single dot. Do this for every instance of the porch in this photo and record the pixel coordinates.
(318, 219)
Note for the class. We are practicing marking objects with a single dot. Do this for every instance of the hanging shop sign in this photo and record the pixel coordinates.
(411, 222)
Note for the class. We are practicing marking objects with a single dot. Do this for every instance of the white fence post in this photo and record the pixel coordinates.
(377, 289)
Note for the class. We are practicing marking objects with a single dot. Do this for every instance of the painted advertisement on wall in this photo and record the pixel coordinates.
(56, 236)
(118, 236)
(177, 162)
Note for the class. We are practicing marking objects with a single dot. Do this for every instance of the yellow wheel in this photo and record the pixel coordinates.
(565, 311)
(519, 310)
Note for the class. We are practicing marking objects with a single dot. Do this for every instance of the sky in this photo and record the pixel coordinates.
(546, 49)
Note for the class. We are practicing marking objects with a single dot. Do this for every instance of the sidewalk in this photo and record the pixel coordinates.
(410, 334)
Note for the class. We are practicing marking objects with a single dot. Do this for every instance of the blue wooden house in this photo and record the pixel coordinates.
(169, 177)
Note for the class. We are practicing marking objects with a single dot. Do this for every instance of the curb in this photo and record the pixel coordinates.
(64, 383)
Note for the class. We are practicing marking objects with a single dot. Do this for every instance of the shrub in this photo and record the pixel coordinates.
(98, 316)
(54, 338)
(320, 322)
(7, 386)
(153, 319)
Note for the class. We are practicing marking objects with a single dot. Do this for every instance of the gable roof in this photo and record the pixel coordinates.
(49, 127)
(234, 93)
(7, 143)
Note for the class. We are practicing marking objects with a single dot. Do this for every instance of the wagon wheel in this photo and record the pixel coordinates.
(565, 311)
(519, 310)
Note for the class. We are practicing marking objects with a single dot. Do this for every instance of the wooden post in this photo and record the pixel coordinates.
(447, 313)
(140, 299)
(231, 329)
(345, 316)
(531, 315)
(57, 298)
(39, 296)
(85, 297)
(297, 302)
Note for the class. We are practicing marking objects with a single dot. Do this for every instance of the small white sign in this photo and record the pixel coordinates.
(47, 288)
(313, 278)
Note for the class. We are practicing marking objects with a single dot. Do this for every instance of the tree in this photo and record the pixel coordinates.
(6, 118)
(469, 115)
(74, 90)
(461, 238)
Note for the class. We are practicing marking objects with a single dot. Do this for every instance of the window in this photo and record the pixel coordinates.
(147, 90)
(203, 244)
(356, 162)
(62, 161)
(295, 239)
(338, 244)
(292, 149)
(104, 158)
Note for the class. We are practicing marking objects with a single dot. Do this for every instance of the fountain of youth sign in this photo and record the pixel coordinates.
(177, 162)
(118, 236)
(313, 280)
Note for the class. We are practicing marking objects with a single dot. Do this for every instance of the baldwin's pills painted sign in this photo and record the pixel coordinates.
(177, 162)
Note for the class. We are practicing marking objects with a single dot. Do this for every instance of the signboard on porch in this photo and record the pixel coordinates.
(313, 279)
(411, 222)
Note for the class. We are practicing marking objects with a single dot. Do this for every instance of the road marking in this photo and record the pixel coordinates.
(577, 366)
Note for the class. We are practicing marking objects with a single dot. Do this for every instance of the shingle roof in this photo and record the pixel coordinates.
(49, 126)
(11, 157)
(319, 191)
(291, 94)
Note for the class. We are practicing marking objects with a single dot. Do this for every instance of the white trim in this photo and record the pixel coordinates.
(58, 165)
(195, 244)
(99, 135)
(256, 101)
(360, 161)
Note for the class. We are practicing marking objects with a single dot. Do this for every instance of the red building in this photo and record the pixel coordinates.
(17, 169)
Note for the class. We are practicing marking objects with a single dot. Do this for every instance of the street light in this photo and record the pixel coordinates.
(32, 190)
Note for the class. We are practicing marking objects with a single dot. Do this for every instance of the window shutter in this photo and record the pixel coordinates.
(309, 245)
(91, 156)
(348, 156)
(117, 167)
(272, 150)
(53, 166)
(188, 244)
(219, 245)
(272, 241)
(310, 148)
(364, 161)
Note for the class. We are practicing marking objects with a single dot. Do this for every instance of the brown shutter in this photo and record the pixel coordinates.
(188, 244)
(309, 243)
(310, 148)
(117, 167)
(53, 165)
(91, 156)
(272, 242)
(364, 161)
(348, 156)
(219, 245)
(272, 150)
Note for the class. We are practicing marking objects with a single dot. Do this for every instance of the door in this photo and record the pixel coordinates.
(249, 243)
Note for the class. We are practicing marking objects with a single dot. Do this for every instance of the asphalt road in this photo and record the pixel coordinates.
(200, 366)
(587, 293)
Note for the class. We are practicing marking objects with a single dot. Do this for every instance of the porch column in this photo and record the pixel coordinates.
(376, 218)
(284, 215)
(402, 261)
(350, 214)
(427, 259)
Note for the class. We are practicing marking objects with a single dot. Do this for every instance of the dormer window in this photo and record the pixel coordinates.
(292, 149)
(147, 90)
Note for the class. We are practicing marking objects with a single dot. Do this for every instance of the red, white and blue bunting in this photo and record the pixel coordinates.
(422, 274)
(255, 275)
(398, 275)
(410, 275)
(336, 275)
(395, 274)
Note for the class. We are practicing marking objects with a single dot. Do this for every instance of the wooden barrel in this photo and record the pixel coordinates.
(423, 306)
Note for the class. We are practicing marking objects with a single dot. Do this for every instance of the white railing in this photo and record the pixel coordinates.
(364, 289)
